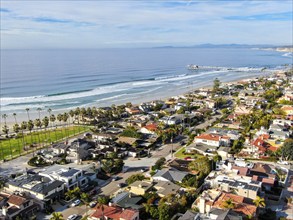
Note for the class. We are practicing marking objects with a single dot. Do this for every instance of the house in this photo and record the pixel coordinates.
(287, 109)
(146, 107)
(43, 189)
(242, 110)
(18, 206)
(164, 188)
(223, 214)
(180, 165)
(249, 189)
(171, 120)
(233, 134)
(140, 187)
(79, 148)
(126, 140)
(169, 175)
(114, 213)
(212, 139)
(241, 207)
(279, 132)
(71, 177)
(149, 129)
(189, 215)
(127, 200)
(132, 110)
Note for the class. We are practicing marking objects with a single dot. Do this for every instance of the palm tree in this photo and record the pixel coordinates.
(53, 119)
(23, 127)
(86, 200)
(65, 118)
(57, 216)
(259, 202)
(45, 123)
(38, 123)
(5, 130)
(49, 111)
(77, 113)
(16, 129)
(30, 126)
(59, 118)
(28, 117)
(229, 204)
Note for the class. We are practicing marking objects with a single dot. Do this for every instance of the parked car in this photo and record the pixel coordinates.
(121, 185)
(93, 204)
(114, 178)
(282, 162)
(143, 170)
(72, 217)
(76, 203)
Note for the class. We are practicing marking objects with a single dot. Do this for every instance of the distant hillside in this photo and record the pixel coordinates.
(220, 46)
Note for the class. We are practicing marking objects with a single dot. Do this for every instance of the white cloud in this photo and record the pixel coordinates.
(119, 23)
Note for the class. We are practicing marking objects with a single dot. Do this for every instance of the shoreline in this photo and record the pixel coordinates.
(135, 101)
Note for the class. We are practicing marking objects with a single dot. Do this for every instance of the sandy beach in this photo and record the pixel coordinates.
(135, 101)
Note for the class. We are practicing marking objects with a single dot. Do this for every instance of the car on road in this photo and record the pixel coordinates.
(115, 178)
(75, 203)
(282, 162)
(143, 169)
(187, 158)
(72, 217)
(93, 204)
(121, 185)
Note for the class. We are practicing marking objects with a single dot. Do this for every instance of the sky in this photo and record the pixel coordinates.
(118, 24)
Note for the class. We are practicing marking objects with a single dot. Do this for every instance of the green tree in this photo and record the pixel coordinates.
(216, 85)
(85, 198)
(5, 130)
(53, 119)
(38, 123)
(135, 177)
(164, 212)
(107, 165)
(57, 216)
(201, 164)
(259, 202)
(229, 204)
(287, 149)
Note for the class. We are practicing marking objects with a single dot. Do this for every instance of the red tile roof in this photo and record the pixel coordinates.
(151, 127)
(211, 137)
(113, 212)
(16, 200)
(268, 181)
(128, 214)
(240, 206)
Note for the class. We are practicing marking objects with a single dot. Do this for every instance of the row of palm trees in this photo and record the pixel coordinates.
(47, 123)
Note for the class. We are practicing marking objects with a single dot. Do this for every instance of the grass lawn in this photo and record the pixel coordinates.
(42, 137)
(180, 154)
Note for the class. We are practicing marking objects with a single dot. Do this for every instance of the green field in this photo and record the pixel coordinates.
(38, 139)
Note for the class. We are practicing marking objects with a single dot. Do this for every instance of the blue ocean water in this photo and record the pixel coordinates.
(64, 79)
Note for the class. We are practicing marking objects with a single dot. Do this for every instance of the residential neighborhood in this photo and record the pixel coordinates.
(224, 152)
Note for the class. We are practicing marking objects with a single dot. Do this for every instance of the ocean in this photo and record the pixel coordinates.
(66, 79)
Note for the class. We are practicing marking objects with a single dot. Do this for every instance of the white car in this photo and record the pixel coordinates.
(76, 203)
(283, 162)
(72, 217)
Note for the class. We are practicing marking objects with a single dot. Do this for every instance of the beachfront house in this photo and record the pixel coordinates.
(44, 190)
(71, 177)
